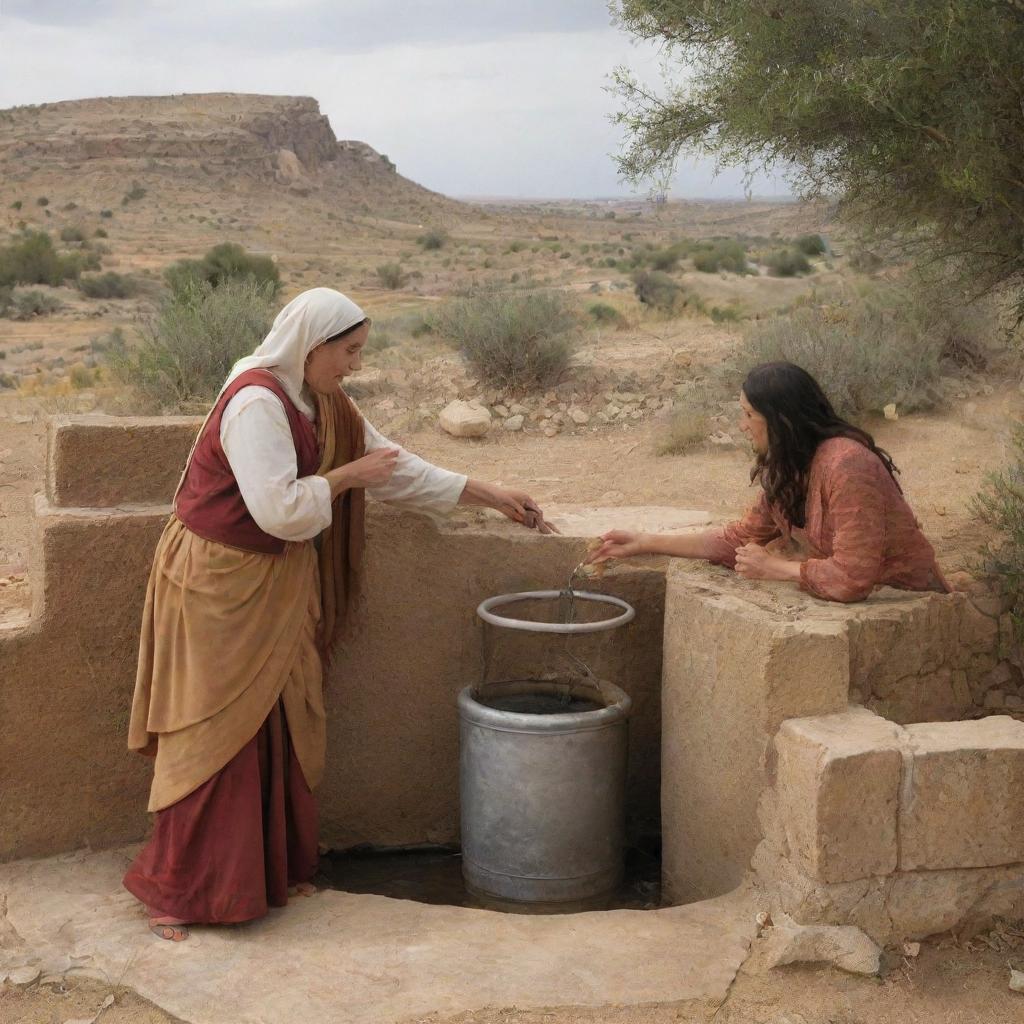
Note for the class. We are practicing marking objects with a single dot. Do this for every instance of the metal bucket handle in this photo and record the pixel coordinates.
(485, 612)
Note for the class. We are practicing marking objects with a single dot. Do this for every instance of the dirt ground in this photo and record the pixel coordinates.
(948, 983)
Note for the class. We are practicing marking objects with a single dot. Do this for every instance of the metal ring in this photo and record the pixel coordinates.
(485, 613)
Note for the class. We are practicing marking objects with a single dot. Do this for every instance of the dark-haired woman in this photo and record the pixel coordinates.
(830, 516)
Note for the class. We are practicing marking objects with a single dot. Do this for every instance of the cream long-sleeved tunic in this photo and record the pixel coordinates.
(257, 441)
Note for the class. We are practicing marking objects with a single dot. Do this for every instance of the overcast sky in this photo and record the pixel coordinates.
(468, 97)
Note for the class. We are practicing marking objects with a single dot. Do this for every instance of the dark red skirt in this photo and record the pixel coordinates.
(230, 849)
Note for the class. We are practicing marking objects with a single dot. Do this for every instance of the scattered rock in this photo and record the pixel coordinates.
(518, 410)
(890, 413)
(845, 947)
(579, 417)
(550, 432)
(723, 439)
(1016, 981)
(514, 423)
(911, 949)
(501, 410)
(460, 419)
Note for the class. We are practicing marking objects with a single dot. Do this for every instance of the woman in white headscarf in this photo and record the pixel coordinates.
(243, 610)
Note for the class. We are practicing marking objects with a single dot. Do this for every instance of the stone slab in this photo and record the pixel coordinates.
(962, 804)
(838, 786)
(357, 959)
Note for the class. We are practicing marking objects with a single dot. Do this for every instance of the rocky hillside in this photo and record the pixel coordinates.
(195, 149)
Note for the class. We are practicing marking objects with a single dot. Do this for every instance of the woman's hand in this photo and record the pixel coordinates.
(373, 470)
(516, 505)
(753, 562)
(618, 544)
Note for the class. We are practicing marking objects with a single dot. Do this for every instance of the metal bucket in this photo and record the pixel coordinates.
(543, 783)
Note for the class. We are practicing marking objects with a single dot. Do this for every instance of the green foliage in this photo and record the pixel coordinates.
(887, 347)
(185, 351)
(606, 315)
(516, 340)
(24, 305)
(787, 263)
(722, 254)
(810, 245)
(391, 275)
(72, 234)
(908, 111)
(660, 292)
(433, 238)
(110, 285)
(225, 262)
(16, 205)
(30, 258)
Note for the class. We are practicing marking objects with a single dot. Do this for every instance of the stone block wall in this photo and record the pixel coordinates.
(742, 657)
(903, 831)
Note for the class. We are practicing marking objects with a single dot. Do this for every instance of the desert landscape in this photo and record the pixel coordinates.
(668, 303)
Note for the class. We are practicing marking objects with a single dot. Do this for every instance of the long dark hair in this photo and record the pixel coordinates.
(800, 417)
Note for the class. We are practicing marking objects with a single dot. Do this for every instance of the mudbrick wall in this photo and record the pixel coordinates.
(66, 679)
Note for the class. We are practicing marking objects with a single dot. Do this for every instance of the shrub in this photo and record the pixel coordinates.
(186, 350)
(107, 286)
(391, 275)
(810, 245)
(724, 314)
(660, 292)
(434, 238)
(688, 426)
(16, 205)
(72, 235)
(514, 340)
(664, 259)
(886, 348)
(26, 304)
(32, 259)
(727, 255)
(99, 233)
(864, 261)
(106, 213)
(1000, 506)
(81, 376)
(42, 201)
(68, 207)
(603, 313)
(224, 262)
(787, 263)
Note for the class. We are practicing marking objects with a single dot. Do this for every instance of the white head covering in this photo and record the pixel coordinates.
(306, 322)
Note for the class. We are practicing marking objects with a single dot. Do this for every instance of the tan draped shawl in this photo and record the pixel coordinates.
(227, 633)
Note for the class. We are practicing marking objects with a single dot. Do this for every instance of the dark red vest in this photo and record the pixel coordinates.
(209, 502)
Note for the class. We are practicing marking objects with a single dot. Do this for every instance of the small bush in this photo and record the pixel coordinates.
(1000, 506)
(224, 262)
(42, 201)
(68, 207)
(664, 259)
(864, 261)
(107, 286)
(513, 340)
(714, 257)
(886, 348)
(660, 292)
(186, 350)
(724, 314)
(106, 213)
(28, 304)
(787, 263)
(810, 245)
(16, 205)
(391, 275)
(609, 316)
(99, 233)
(32, 259)
(72, 235)
(688, 426)
(81, 376)
(434, 238)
